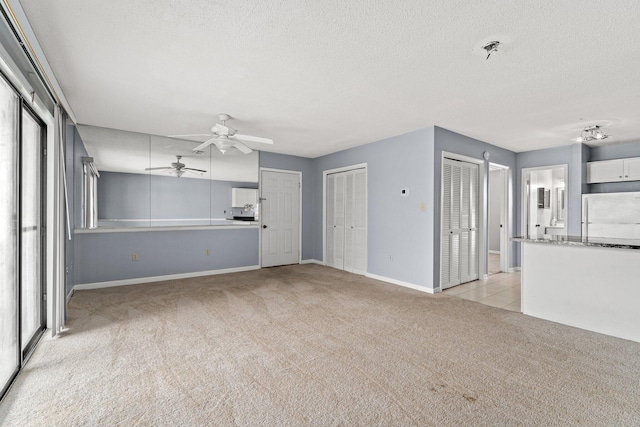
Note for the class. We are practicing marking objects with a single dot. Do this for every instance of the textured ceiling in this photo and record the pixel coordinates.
(321, 76)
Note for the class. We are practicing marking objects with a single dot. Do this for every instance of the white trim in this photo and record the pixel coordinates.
(324, 207)
(70, 295)
(514, 269)
(311, 261)
(494, 252)
(140, 280)
(401, 283)
(261, 169)
(250, 224)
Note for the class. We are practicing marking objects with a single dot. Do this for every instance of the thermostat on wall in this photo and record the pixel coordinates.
(404, 192)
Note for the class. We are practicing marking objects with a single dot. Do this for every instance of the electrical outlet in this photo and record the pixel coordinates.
(134, 256)
(207, 252)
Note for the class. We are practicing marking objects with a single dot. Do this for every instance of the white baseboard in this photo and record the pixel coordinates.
(311, 261)
(485, 277)
(401, 283)
(514, 269)
(70, 294)
(494, 252)
(139, 280)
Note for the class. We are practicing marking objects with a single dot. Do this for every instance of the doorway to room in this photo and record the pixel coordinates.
(498, 219)
(544, 200)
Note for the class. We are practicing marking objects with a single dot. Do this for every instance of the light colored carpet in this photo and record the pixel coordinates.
(310, 345)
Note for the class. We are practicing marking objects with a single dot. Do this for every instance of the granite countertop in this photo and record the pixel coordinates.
(602, 242)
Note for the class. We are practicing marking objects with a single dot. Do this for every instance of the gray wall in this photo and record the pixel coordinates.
(101, 257)
(74, 152)
(309, 202)
(446, 140)
(137, 196)
(399, 233)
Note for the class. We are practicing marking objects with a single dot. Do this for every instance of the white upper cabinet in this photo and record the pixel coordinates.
(614, 170)
(632, 169)
(241, 197)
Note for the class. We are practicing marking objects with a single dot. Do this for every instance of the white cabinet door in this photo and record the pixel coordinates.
(632, 169)
(605, 171)
(241, 197)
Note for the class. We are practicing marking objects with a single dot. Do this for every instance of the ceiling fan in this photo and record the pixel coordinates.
(178, 168)
(225, 137)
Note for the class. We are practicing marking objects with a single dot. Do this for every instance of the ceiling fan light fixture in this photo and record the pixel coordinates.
(591, 133)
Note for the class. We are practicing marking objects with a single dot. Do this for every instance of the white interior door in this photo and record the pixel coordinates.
(459, 241)
(280, 218)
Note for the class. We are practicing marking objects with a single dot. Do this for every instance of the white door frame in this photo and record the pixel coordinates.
(505, 215)
(324, 208)
(299, 173)
(482, 210)
(524, 199)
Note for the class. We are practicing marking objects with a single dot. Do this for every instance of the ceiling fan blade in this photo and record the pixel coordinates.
(243, 148)
(194, 170)
(189, 135)
(205, 144)
(250, 138)
(159, 168)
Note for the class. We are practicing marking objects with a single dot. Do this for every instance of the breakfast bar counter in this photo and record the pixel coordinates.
(589, 283)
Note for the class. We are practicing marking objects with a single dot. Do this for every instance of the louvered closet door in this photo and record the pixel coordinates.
(330, 220)
(335, 220)
(346, 220)
(355, 248)
(459, 242)
(469, 223)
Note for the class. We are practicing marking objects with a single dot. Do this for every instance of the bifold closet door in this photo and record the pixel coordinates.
(346, 220)
(459, 240)
(335, 220)
(355, 241)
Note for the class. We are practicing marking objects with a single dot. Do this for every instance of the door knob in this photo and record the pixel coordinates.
(264, 226)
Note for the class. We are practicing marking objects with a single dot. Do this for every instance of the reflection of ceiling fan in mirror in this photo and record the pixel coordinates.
(177, 168)
(225, 138)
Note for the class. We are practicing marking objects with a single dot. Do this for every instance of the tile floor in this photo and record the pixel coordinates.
(500, 290)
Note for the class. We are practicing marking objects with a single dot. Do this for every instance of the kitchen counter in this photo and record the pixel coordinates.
(590, 283)
(602, 242)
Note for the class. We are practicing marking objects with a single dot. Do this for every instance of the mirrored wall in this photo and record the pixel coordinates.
(143, 180)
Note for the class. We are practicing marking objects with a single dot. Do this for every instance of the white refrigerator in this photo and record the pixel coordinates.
(615, 215)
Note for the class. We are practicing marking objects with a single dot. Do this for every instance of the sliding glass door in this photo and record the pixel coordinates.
(9, 339)
(22, 308)
(31, 223)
